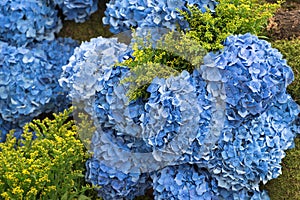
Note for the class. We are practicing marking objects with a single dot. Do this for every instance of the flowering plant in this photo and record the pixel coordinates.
(215, 142)
(48, 167)
(191, 127)
(124, 14)
(230, 17)
(29, 79)
(25, 22)
(254, 75)
(78, 10)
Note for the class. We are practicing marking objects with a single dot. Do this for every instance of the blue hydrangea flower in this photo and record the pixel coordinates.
(252, 153)
(115, 113)
(186, 133)
(22, 22)
(244, 194)
(78, 10)
(188, 181)
(119, 138)
(253, 73)
(124, 14)
(167, 122)
(170, 111)
(29, 79)
(87, 65)
(183, 182)
(115, 184)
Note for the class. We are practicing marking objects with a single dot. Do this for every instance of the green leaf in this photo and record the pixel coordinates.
(83, 197)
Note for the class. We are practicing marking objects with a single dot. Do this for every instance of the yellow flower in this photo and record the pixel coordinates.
(43, 165)
(25, 172)
(10, 176)
(32, 191)
(27, 180)
(17, 190)
(5, 195)
(50, 188)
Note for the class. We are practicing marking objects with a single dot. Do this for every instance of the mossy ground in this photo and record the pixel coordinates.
(287, 185)
(92, 28)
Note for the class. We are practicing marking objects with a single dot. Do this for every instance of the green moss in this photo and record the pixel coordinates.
(290, 50)
(287, 185)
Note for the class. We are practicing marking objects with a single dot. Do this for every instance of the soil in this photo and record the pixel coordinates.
(286, 22)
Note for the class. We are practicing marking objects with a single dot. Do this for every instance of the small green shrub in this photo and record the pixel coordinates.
(290, 50)
(173, 53)
(230, 17)
(51, 166)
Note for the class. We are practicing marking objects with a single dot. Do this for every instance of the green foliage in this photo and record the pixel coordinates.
(173, 53)
(291, 52)
(50, 166)
(287, 185)
(230, 17)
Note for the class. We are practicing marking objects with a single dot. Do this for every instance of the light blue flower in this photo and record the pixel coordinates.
(114, 111)
(125, 14)
(171, 112)
(78, 10)
(254, 75)
(216, 133)
(31, 84)
(252, 153)
(91, 79)
(89, 63)
(183, 182)
(115, 184)
(23, 22)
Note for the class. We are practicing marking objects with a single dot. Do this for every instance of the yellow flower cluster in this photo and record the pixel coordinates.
(230, 17)
(47, 167)
(173, 53)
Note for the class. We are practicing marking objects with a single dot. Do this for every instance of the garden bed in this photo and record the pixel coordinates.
(285, 25)
(283, 32)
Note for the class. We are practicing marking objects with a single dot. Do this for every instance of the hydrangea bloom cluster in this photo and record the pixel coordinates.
(188, 181)
(121, 15)
(185, 134)
(254, 75)
(29, 79)
(80, 77)
(172, 101)
(119, 185)
(252, 153)
(183, 182)
(78, 10)
(113, 112)
(25, 21)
